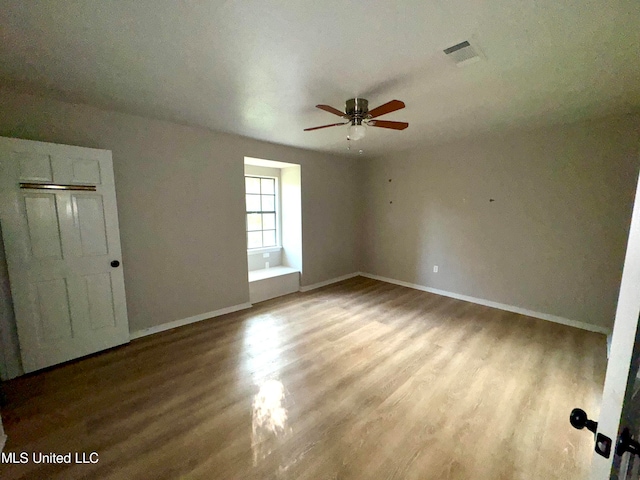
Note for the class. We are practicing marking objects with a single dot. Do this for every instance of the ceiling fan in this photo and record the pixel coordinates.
(357, 115)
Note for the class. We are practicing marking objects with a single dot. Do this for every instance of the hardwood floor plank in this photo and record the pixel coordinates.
(356, 380)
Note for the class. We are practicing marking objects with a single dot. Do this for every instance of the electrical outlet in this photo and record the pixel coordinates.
(266, 264)
(265, 255)
(435, 269)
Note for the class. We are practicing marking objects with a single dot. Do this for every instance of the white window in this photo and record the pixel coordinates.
(262, 222)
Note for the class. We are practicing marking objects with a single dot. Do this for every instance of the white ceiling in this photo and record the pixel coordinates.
(258, 67)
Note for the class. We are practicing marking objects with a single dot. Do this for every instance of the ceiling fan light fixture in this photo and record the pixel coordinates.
(357, 132)
(358, 116)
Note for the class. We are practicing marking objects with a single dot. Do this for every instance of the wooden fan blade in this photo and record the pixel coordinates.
(330, 109)
(388, 124)
(388, 107)
(323, 126)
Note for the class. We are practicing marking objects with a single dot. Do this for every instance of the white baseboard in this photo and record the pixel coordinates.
(329, 282)
(186, 321)
(499, 306)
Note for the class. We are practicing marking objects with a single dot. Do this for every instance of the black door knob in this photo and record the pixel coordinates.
(115, 263)
(579, 420)
(627, 444)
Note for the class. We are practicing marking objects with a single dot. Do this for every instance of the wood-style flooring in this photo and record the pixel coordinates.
(357, 380)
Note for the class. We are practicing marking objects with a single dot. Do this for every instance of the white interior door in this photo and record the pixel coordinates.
(620, 407)
(60, 229)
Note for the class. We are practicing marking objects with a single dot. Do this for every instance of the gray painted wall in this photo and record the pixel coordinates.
(552, 241)
(180, 194)
(10, 362)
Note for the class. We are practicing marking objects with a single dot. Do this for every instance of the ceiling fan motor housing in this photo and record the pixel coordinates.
(357, 109)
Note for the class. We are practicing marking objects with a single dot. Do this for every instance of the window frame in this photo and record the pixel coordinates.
(276, 212)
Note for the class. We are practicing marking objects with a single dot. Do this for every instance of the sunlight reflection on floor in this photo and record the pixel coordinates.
(263, 361)
(262, 344)
(269, 419)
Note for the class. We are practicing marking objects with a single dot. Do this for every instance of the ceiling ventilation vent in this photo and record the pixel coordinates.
(463, 53)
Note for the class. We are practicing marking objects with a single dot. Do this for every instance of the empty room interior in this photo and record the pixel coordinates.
(319, 240)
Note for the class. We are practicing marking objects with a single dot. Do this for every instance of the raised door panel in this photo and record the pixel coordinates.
(34, 167)
(53, 312)
(88, 212)
(77, 171)
(43, 226)
(85, 171)
(100, 296)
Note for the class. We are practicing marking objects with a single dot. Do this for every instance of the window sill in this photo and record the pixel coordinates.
(253, 251)
(279, 271)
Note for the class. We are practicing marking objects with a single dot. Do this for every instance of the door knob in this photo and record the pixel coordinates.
(579, 420)
(627, 444)
(116, 264)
